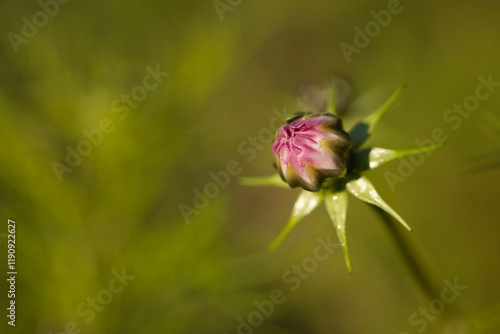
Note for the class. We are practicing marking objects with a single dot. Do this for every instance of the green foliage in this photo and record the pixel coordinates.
(119, 207)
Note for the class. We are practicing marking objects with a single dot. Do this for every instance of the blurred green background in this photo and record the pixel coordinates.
(119, 207)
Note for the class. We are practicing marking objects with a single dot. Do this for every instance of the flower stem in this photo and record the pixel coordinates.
(423, 277)
(332, 101)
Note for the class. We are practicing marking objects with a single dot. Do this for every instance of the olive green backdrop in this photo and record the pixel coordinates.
(116, 208)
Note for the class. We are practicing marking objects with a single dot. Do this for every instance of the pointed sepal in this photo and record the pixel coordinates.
(336, 205)
(362, 130)
(373, 157)
(305, 204)
(363, 189)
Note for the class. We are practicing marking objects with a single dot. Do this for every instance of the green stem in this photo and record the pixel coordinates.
(416, 267)
(332, 100)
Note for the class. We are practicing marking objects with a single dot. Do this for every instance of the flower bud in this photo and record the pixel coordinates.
(310, 148)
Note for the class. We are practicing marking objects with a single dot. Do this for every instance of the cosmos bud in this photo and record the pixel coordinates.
(310, 148)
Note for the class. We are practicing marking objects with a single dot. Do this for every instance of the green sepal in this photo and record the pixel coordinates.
(362, 130)
(271, 180)
(373, 157)
(363, 189)
(336, 206)
(305, 204)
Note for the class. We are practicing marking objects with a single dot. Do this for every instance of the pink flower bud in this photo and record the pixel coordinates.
(310, 148)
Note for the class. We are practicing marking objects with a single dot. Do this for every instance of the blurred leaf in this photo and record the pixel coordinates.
(489, 123)
(271, 180)
(483, 162)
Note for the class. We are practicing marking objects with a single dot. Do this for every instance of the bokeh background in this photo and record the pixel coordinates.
(119, 208)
